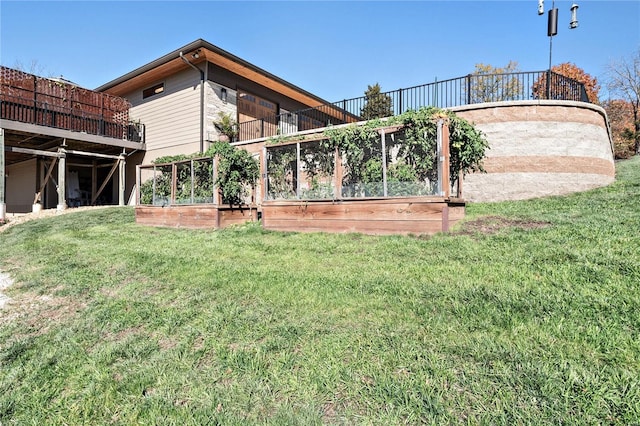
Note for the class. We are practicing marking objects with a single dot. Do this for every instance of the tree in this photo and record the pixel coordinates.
(493, 84)
(620, 115)
(564, 90)
(377, 104)
(33, 67)
(624, 80)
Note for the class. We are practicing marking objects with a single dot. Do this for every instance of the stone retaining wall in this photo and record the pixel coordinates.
(539, 148)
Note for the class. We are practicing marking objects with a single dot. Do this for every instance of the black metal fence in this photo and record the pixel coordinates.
(467, 90)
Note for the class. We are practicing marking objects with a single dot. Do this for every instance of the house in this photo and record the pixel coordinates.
(53, 132)
(180, 96)
(68, 145)
(61, 144)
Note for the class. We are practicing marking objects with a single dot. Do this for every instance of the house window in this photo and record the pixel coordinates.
(153, 90)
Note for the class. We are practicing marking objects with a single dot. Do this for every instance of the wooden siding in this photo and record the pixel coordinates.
(194, 216)
(367, 216)
(172, 118)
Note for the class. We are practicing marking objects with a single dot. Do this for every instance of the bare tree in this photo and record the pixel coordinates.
(33, 67)
(492, 84)
(624, 81)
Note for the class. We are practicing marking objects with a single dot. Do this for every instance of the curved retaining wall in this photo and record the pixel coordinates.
(539, 148)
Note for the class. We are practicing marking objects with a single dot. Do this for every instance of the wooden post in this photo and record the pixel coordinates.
(214, 175)
(3, 206)
(298, 170)
(383, 144)
(337, 190)
(94, 180)
(138, 183)
(121, 179)
(446, 177)
(192, 181)
(265, 177)
(36, 198)
(174, 181)
(444, 182)
(62, 175)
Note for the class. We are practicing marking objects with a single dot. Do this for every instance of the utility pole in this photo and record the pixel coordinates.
(552, 30)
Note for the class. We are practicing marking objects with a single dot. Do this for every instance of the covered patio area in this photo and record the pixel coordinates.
(61, 145)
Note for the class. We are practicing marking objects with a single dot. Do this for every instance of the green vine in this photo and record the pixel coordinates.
(416, 157)
(237, 171)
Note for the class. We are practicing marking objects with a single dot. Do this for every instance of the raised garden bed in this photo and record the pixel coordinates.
(377, 216)
(194, 216)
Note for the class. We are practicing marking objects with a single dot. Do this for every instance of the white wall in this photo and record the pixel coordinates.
(20, 186)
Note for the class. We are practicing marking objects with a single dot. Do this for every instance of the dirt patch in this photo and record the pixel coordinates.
(39, 312)
(490, 225)
(5, 282)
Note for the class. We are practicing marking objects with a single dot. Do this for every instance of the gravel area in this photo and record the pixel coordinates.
(5, 282)
(16, 219)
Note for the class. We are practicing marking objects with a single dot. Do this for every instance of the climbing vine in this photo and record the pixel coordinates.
(416, 149)
(237, 172)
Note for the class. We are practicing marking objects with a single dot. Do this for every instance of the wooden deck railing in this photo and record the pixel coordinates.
(27, 98)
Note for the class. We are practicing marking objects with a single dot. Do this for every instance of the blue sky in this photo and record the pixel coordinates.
(333, 49)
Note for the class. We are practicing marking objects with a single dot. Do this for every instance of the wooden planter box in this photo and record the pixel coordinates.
(194, 216)
(376, 216)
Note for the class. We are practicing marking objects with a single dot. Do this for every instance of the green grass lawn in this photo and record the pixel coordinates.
(537, 321)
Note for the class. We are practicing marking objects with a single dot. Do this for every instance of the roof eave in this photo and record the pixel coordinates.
(202, 44)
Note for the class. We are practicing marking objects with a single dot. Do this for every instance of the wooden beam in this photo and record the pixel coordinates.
(93, 154)
(45, 180)
(71, 135)
(32, 151)
(113, 169)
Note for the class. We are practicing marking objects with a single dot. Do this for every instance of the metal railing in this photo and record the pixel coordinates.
(467, 90)
(42, 113)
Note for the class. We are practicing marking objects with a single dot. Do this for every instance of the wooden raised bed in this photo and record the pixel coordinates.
(194, 216)
(376, 216)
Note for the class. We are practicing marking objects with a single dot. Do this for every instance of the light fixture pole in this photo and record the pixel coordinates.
(552, 29)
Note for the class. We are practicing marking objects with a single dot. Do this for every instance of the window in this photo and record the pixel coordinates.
(154, 90)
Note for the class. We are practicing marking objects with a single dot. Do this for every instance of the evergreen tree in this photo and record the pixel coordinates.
(377, 104)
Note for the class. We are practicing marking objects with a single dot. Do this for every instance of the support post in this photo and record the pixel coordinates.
(138, 183)
(94, 179)
(444, 185)
(298, 170)
(62, 175)
(265, 176)
(121, 179)
(3, 206)
(337, 190)
(383, 144)
(37, 205)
